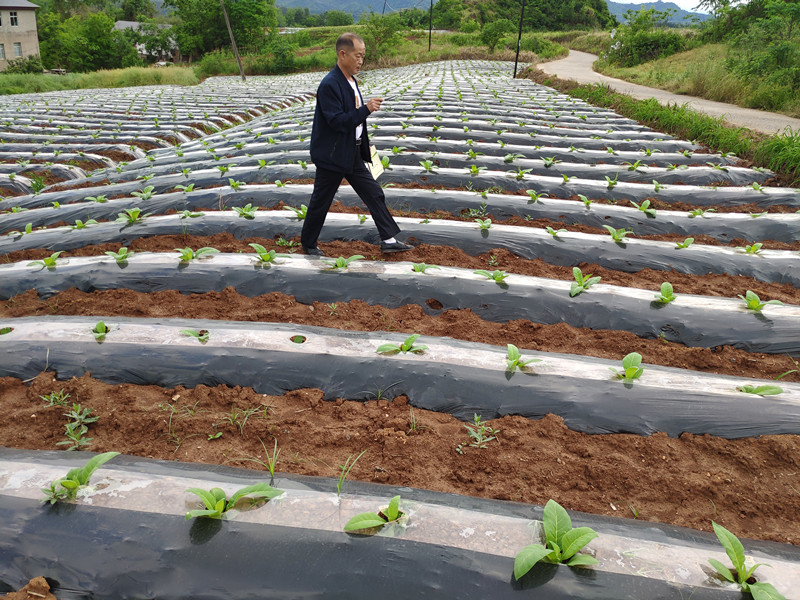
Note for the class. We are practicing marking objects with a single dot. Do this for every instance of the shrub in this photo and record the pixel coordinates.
(640, 40)
(25, 64)
(493, 32)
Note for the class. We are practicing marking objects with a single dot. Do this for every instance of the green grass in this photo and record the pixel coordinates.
(701, 72)
(115, 78)
(779, 153)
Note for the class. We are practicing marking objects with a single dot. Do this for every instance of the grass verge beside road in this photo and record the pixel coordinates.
(114, 78)
(779, 153)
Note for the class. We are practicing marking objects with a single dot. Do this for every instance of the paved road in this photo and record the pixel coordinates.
(578, 66)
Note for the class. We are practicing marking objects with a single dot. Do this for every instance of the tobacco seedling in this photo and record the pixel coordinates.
(684, 244)
(187, 254)
(630, 367)
(562, 543)
(362, 218)
(520, 173)
(201, 336)
(550, 161)
(344, 471)
(534, 196)
(145, 194)
(645, 208)
(586, 202)
(407, 346)
(760, 390)
(67, 487)
(246, 212)
(484, 224)
(235, 185)
(740, 574)
(131, 216)
(100, 330)
(55, 398)
(81, 225)
(515, 360)
(753, 302)
(753, 248)
(300, 213)
(666, 295)
(618, 235)
(368, 520)
(699, 212)
(475, 170)
(187, 214)
(497, 276)
(121, 256)
(480, 433)
(422, 267)
(582, 282)
(554, 232)
(48, 262)
(217, 503)
(342, 262)
(611, 183)
(28, 229)
(266, 256)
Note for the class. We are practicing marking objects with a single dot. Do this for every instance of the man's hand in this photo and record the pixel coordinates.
(374, 104)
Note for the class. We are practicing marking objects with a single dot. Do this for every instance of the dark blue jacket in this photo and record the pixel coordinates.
(333, 135)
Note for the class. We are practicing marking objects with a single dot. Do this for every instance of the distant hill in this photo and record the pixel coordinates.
(354, 7)
(619, 10)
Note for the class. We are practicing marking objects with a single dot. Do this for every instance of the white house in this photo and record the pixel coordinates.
(18, 36)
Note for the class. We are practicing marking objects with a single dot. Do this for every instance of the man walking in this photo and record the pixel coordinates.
(340, 147)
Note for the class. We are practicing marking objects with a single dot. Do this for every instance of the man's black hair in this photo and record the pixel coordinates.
(345, 41)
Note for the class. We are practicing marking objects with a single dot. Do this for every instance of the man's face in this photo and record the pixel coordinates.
(351, 59)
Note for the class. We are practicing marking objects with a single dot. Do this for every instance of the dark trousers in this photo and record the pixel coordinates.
(326, 183)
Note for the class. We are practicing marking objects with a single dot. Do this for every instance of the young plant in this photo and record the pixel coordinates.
(145, 194)
(67, 487)
(100, 330)
(290, 244)
(666, 294)
(422, 267)
(266, 256)
(342, 262)
(550, 161)
(753, 248)
(368, 520)
(187, 254)
(618, 235)
(582, 282)
(122, 255)
(28, 229)
(475, 170)
(131, 216)
(271, 461)
(699, 212)
(520, 173)
(480, 433)
(55, 398)
(645, 208)
(496, 276)
(48, 262)
(534, 196)
(484, 224)
(760, 390)
(740, 573)
(187, 214)
(300, 213)
(217, 504)
(684, 244)
(407, 346)
(515, 360)
(362, 219)
(246, 212)
(235, 185)
(554, 232)
(81, 225)
(562, 543)
(344, 471)
(428, 166)
(201, 336)
(630, 367)
(611, 183)
(753, 302)
(586, 202)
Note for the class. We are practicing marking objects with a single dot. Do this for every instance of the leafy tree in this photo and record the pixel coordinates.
(493, 32)
(334, 18)
(158, 40)
(379, 33)
(137, 10)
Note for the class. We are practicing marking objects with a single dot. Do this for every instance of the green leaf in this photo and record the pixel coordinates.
(90, 467)
(733, 547)
(722, 570)
(259, 490)
(364, 521)
(761, 590)
(207, 497)
(393, 510)
(213, 514)
(527, 557)
(556, 522)
(384, 348)
(576, 539)
(582, 560)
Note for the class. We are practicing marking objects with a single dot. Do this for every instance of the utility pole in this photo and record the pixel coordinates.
(430, 26)
(519, 38)
(233, 41)
(384, 7)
